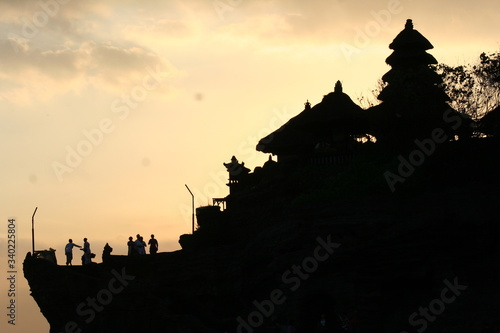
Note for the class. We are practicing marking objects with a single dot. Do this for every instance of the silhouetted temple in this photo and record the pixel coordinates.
(413, 105)
(329, 127)
(410, 77)
(237, 171)
(413, 102)
(332, 131)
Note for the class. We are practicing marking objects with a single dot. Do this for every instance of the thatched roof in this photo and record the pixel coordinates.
(410, 39)
(411, 79)
(409, 49)
(337, 114)
(410, 58)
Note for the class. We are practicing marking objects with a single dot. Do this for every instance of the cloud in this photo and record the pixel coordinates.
(54, 47)
(158, 28)
(53, 21)
(61, 46)
(30, 74)
(322, 22)
(297, 22)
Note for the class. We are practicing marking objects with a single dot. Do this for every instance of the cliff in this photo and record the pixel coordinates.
(307, 242)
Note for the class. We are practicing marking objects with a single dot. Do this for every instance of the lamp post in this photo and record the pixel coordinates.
(33, 232)
(192, 205)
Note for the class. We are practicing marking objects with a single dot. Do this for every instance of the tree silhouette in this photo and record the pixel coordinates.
(474, 88)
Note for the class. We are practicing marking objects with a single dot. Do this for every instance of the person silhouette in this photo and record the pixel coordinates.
(86, 252)
(131, 247)
(153, 245)
(68, 250)
(140, 245)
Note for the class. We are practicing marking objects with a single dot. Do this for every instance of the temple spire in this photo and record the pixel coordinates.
(307, 105)
(409, 24)
(338, 87)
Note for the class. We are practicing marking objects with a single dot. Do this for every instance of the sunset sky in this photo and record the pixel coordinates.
(108, 108)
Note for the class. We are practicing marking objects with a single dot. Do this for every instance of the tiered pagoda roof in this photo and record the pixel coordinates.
(413, 102)
(411, 76)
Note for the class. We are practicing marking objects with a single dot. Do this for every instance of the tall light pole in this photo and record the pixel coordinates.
(192, 205)
(33, 233)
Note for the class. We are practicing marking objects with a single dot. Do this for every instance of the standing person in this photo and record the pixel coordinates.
(86, 252)
(140, 245)
(144, 245)
(68, 250)
(131, 247)
(153, 245)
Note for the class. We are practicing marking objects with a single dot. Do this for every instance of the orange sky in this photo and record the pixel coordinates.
(109, 108)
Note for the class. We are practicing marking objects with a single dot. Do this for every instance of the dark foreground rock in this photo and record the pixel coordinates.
(425, 257)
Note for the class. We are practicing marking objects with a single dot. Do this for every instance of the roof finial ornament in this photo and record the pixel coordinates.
(338, 87)
(409, 24)
(308, 105)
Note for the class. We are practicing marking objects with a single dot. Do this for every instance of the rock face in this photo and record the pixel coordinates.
(425, 256)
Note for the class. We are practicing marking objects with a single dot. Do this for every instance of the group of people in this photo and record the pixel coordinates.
(138, 247)
(87, 254)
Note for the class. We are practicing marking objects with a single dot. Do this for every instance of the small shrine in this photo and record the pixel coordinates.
(237, 171)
